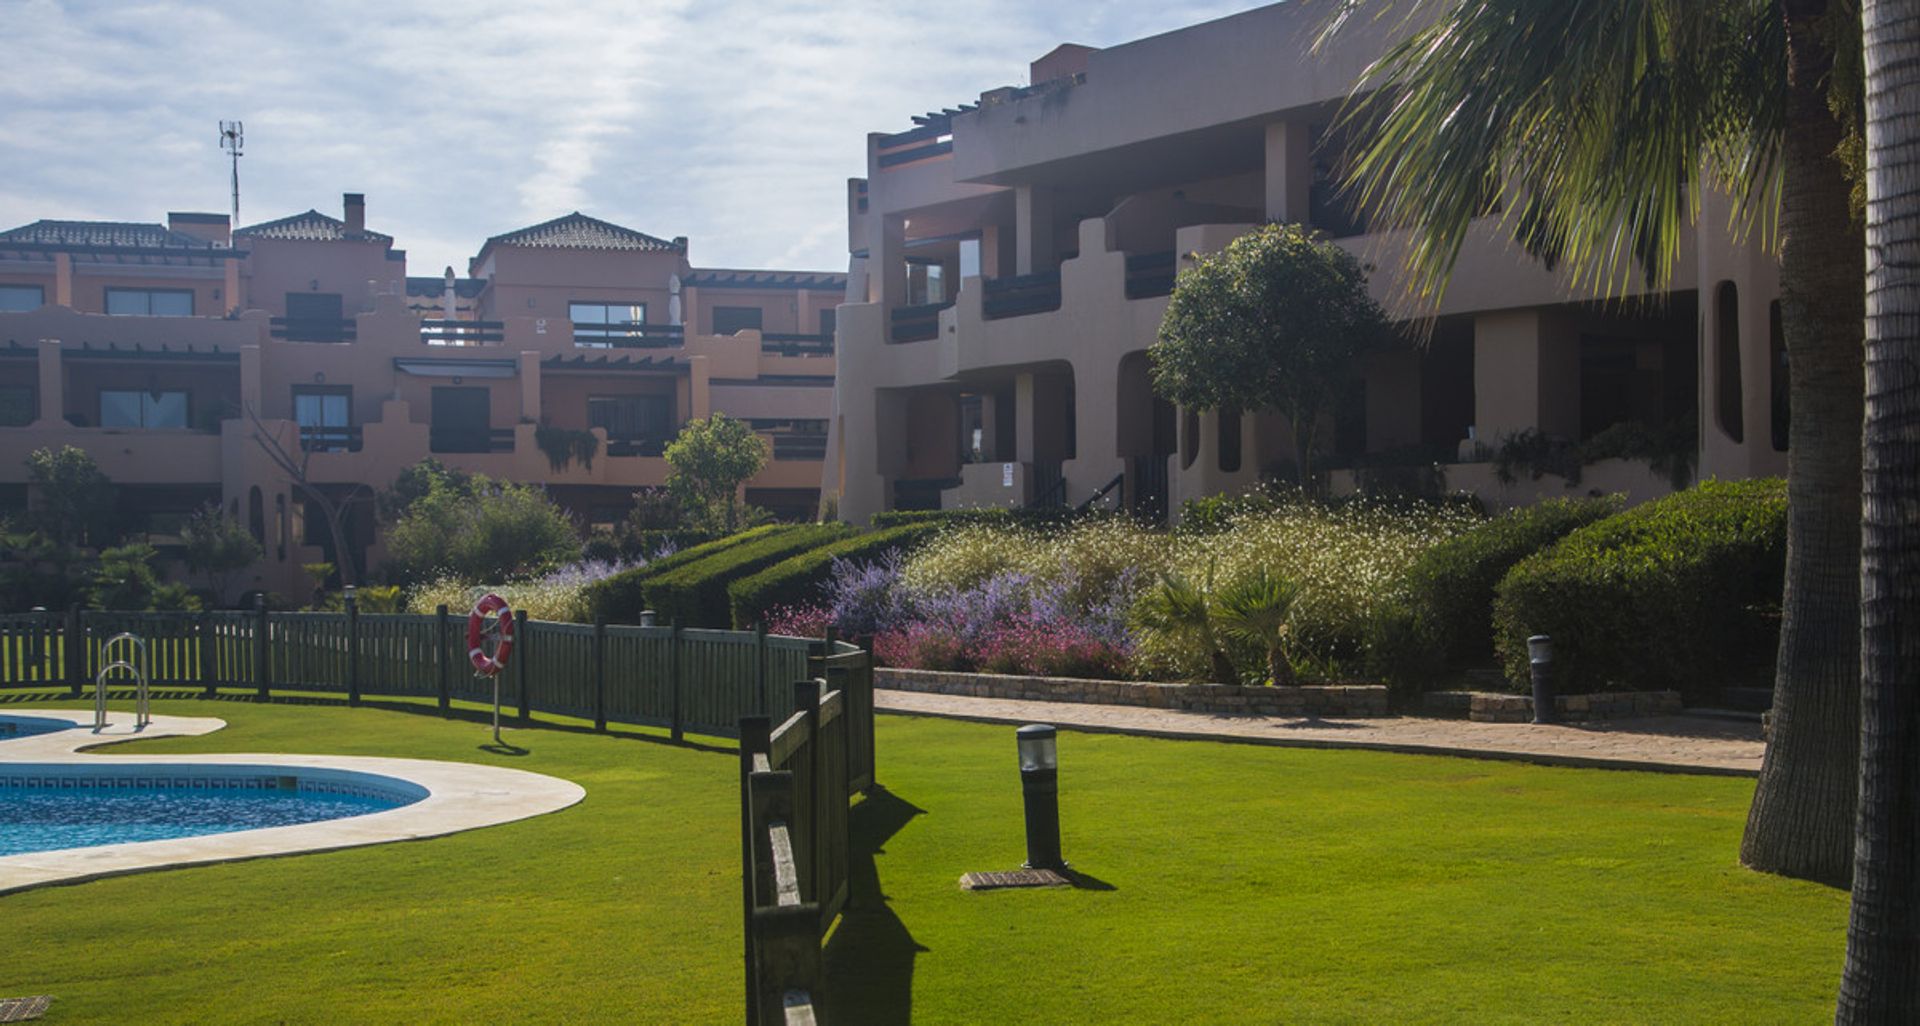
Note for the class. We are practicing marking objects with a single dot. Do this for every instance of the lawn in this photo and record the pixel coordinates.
(1245, 884)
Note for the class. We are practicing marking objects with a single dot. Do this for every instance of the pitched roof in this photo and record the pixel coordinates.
(731, 278)
(578, 231)
(312, 226)
(102, 235)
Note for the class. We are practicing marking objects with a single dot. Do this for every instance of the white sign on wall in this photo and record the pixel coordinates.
(1006, 475)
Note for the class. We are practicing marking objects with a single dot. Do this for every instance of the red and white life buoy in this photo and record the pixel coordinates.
(490, 616)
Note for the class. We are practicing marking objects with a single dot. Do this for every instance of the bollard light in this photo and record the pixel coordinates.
(1540, 660)
(1040, 789)
(647, 617)
(346, 594)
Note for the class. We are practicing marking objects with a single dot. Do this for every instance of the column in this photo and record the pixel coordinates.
(1023, 417)
(1289, 171)
(1526, 374)
(232, 298)
(699, 396)
(530, 386)
(53, 386)
(250, 383)
(63, 279)
(1033, 224)
(887, 268)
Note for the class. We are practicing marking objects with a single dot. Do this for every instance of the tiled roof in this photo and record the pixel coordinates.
(724, 277)
(312, 226)
(463, 288)
(578, 231)
(102, 235)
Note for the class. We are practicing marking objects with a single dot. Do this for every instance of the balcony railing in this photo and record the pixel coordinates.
(799, 447)
(636, 447)
(1020, 295)
(439, 332)
(329, 438)
(779, 344)
(916, 323)
(493, 440)
(313, 329)
(628, 336)
(1151, 274)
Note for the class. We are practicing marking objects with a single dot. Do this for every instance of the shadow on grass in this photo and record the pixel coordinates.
(503, 749)
(1084, 882)
(870, 958)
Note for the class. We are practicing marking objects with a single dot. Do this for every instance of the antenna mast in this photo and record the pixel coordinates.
(232, 138)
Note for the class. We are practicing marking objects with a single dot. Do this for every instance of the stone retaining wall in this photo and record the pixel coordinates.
(1334, 700)
(1500, 707)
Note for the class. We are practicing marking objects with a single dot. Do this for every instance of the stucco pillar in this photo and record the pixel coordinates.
(232, 300)
(1526, 374)
(699, 397)
(530, 386)
(1289, 171)
(1033, 224)
(63, 279)
(990, 251)
(53, 386)
(887, 269)
(250, 382)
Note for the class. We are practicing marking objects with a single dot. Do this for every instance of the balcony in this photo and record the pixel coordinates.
(330, 438)
(440, 332)
(1151, 274)
(313, 329)
(779, 344)
(800, 447)
(1020, 295)
(450, 440)
(628, 336)
(916, 323)
(637, 446)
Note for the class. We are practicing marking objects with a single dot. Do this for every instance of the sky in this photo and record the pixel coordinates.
(735, 124)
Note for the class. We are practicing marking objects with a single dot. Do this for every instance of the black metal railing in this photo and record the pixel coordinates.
(439, 332)
(638, 446)
(628, 336)
(329, 438)
(313, 329)
(783, 344)
(916, 323)
(800, 447)
(1049, 487)
(1020, 295)
(470, 440)
(1148, 496)
(1151, 274)
(1105, 490)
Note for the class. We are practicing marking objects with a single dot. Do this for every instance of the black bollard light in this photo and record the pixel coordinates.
(648, 618)
(1540, 658)
(1040, 785)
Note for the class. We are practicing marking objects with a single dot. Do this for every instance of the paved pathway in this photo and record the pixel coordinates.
(1679, 744)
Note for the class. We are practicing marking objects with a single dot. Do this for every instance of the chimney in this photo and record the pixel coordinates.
(214, 228)
(356, 204)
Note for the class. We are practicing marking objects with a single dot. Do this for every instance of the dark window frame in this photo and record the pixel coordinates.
(324, 437)
(759, 319)
(39, 290)
(100, 408)
(148, 293)
(31, 404)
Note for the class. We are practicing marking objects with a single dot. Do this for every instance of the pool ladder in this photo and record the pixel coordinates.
(137, 649)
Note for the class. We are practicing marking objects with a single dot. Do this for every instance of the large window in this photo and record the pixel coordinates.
(17, 405)
(150, 302)
(22, 297)
(130, 408)
(632, 418)
(599, 324)
(827, 322)
(926, 282)
(729, 320)
(325, 416)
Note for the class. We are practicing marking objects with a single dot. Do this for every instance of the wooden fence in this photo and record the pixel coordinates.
(698, 681)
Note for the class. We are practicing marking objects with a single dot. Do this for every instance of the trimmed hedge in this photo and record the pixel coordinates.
(798, 578)
(621, 597)
(1681, 593)
(1443, 619)
(695, 593)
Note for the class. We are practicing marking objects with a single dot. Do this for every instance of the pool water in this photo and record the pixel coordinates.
(22, 726)
(50, 818)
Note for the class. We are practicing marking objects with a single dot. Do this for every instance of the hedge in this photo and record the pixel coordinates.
(1048, 517)
(621, 597)
(695, 593)
(1681, 593)
(798, 579)
(1443, 617)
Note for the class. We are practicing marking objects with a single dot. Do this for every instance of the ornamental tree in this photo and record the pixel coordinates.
(711, 459)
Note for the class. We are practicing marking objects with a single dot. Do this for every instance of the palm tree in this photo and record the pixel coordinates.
(1254, 610)
(1883, 934)
(1591, 128)
(1178, 610)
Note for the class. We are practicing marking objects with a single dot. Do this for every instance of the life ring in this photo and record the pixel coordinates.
(490, 607)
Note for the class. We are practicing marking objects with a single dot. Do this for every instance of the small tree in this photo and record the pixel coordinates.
(219, 547)
(711, 458)
(1278, 321)
(1254, 610)
(125, 579)
(475, 528)
(76, 498)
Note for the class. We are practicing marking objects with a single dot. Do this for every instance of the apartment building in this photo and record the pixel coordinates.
(170, 351)
(1014, 255)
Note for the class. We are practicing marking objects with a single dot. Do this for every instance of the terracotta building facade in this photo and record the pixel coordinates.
(169, 351)
(1011, 260)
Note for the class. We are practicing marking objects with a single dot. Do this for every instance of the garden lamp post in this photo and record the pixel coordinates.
(1040, 786)
(1540, 658)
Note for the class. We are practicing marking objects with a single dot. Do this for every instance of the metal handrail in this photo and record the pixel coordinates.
(141, 674)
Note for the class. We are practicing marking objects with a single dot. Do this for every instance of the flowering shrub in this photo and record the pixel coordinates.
(799, 621)
(558, 595)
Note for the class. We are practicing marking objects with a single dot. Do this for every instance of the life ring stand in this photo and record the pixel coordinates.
(491, 620)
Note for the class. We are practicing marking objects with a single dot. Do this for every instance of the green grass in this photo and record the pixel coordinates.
(1248, 885)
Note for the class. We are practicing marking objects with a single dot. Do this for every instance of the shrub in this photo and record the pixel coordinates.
(1020, 516)
(475, 528)
(1679, 593)
(560, 595)
(621, 597)
(1442, 616)
(695, 593)
(799, 578)
(125, 579)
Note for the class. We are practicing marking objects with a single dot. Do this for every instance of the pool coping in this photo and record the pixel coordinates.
(460, 796)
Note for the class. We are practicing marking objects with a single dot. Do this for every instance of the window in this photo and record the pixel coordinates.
(1728, 391)
(827, 322)
(150, 302)
(314, 306)
(325, 417)
(128, 408)
(17, 406)
(599, 324)
(22, 297)
(631, 417)
(730, 320)
(926, 282)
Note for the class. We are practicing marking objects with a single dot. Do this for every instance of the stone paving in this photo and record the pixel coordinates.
(1676, 744)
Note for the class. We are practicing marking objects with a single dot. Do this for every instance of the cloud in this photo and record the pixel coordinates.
(733, 123)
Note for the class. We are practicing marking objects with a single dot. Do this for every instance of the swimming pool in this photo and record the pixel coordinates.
(54, 806)
(23, 726)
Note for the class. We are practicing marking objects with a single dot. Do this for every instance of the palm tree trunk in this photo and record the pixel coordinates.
(1801, 823)
(1278, 667)
(1883, 934)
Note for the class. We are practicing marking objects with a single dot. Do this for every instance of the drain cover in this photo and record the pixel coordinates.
(1017, 878)
(23, 1008)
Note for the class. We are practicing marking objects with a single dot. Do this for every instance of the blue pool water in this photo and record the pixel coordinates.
(21, 726)
(45, 819)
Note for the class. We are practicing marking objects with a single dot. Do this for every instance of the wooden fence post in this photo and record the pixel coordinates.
(760, 668)
(673, 672)
(73, 650)
(262, 661)
(806, 700)
(209, 657)
(520, 662)
(444, 665)
(600, 673)
(353, 649)
(754, 731)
